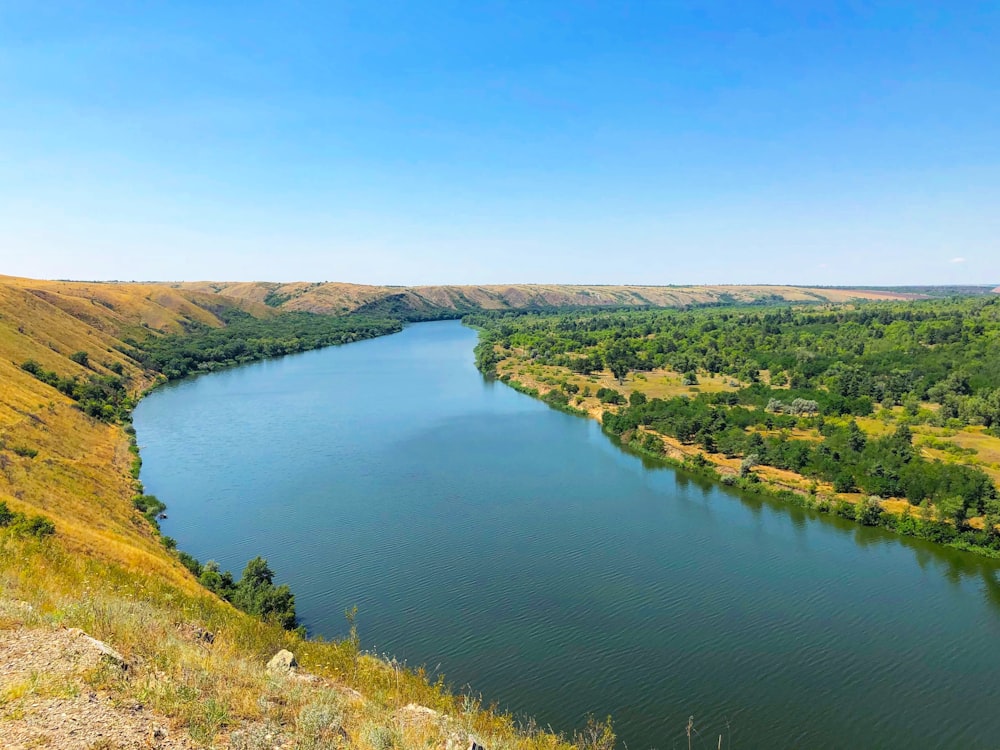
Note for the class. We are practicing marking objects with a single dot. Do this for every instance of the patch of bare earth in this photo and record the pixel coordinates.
(47, 699)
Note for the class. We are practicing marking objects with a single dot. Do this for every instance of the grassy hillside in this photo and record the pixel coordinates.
(195, 664)
(336, 298)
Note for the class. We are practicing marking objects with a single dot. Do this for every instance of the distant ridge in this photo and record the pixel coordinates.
(340, 298)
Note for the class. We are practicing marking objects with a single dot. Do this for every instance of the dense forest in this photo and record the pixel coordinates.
(246, 339)
(797, 383)
(848, 360)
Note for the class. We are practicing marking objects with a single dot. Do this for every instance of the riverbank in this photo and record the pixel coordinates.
(190, 663)
(553, 385)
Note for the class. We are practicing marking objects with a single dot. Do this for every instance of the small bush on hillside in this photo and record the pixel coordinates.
(190, 562)
(318, 724)
(150, 506)
(597, 735)
(381, 737)
(36, 526)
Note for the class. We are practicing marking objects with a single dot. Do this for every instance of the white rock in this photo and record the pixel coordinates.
(282, 662)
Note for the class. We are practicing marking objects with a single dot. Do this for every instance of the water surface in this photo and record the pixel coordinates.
(517, 550)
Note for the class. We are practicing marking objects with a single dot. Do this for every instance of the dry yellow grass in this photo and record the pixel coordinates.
(106, 572)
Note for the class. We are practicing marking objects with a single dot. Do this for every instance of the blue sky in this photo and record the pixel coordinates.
(456, 142)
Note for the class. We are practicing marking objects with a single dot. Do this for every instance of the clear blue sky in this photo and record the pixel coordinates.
(462, 142)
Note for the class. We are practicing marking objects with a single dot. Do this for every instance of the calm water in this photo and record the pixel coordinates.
(517, 550)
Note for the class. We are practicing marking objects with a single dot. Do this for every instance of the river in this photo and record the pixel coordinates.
(517, 550)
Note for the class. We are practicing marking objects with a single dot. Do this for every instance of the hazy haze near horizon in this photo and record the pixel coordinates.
(678, 142)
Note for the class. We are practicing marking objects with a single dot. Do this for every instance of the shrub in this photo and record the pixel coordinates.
(36, 526)
(318, 724)
(843, 482)
(558, 399)
(869, 511)
(150, 506)
(845, 509)
(380, 737)
(610, 396)
(747, 464)
(257, 595)
(190, 562)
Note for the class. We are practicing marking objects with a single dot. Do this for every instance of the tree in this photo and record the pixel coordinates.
(707, 441)
(901, 442)
(844, 481)
(619, 359)
(216, 581)
(256, 594)
(747, 464)
(81, 358)
(951, 509)
(856, 439)
(619, 368)
(869, 511)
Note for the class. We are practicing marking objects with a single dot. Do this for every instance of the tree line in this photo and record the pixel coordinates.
(812, 368)
(848, 359)
(247, 339)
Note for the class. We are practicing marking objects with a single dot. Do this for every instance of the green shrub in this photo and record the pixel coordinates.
(869, 511)
(36, 526)
(150, 506)
(610, 396)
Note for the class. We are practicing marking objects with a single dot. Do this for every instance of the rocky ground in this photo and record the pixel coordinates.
(46, 698)
(61, 688)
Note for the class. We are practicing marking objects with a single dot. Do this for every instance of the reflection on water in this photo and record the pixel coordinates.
(525, 554)
(954, 565)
